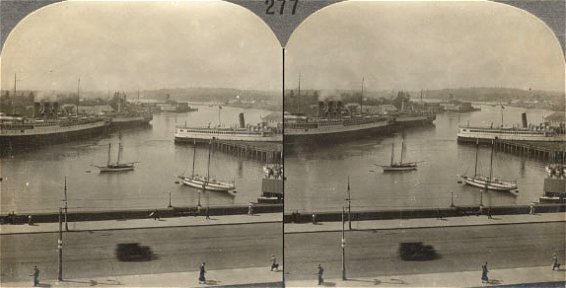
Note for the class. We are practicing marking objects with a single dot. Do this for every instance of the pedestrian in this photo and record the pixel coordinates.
(274, 265)
(30, 220)
(251, 208)
(320, 273)
(555, 263)
(201, 278)
(484, 278)
(532, 209)
(489, 213)
(313, 218)
(207, 214)
(35, 276)
(155, 214)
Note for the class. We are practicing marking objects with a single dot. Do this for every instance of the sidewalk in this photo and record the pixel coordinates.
(257, 275)
(143, 223)
(426, 223)
(497, 277)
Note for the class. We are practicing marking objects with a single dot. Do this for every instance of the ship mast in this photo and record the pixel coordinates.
(299, 94)
(14, 97)
(78, 95)
(362, 98)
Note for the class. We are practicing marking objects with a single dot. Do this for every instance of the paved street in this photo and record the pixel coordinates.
(91, 254)
(373, 253)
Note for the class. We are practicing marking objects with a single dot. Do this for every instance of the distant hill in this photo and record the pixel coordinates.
(212, 95)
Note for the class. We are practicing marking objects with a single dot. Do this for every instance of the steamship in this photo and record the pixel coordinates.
(17, 131)
(334, 122)
(242, 133)
(524, 133)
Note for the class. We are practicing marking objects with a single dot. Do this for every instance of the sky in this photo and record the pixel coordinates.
(141, 45)
(423, 45)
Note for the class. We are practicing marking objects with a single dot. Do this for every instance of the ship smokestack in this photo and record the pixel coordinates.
(524, 118)
(331, 109)
(242, 121)
(36, 109)
(339, 108)
(321, 106)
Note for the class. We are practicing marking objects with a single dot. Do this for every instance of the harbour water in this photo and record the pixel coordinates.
(317, 176)
(33, 181)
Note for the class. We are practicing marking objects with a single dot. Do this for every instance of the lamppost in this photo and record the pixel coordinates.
(169, 206)
(343, 244)
(60, 246)
(66, 225)
(349, 199)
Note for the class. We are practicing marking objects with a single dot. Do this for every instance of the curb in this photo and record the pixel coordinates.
(133, 228)
(423, 227)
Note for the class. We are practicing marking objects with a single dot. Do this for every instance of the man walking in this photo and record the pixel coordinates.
(555, 263)
(484, 278)
(274, 265)
(320, 273)
(35, 276)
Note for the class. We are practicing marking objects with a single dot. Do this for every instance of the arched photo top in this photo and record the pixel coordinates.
(141, 45)
(424, 45)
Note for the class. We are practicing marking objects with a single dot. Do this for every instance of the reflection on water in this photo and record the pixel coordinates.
(317, 176)
(33, 180)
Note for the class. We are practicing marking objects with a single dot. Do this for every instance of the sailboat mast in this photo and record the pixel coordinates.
(403, 151)
(194, 157)
(208, 164)
(392, 153)
(476, 163)
(119, 153)
(109, 148)
(491, 161)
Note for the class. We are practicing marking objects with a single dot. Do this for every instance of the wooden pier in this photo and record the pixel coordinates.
(263, 151)
(544, 151)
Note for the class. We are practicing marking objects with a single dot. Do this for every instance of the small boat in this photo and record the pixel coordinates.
(488, 182)
(399, 166)
(206, 183)
(116, 167)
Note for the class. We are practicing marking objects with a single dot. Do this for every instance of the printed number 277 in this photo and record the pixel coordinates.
(271, 3)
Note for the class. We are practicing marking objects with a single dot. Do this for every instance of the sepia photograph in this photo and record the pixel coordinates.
(141, 146)
(143, 143)
(424, 146)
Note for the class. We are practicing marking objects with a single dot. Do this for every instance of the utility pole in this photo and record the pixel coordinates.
(349, 199)
(60, 246)
(343, 244)
(66, 225)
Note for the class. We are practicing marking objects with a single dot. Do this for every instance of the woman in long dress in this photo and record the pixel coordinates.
(201, 277)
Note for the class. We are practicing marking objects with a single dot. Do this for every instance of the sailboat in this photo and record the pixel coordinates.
(116, 167)
(488, 183)
(400, 166)
(206, 183)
